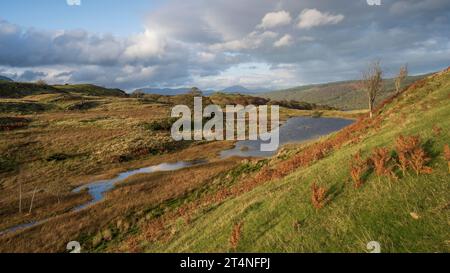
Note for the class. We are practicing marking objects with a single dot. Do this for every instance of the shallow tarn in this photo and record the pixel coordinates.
(296, 129)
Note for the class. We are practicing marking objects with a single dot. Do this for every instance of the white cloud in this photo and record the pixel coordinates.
(286, 40)
(205, 57)
(310, 18)
(187, 43)
(145, 45)
(251, 41)
(275, 19)
(252, 75)
(74, 2)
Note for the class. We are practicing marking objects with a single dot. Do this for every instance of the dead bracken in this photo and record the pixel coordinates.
(412, 155)
(236, 235)
(318, 197)
(358, 167)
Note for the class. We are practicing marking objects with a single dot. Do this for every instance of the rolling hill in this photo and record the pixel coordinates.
(344, 95)
(5, 79)
(163, 91)
(273, 205)
(20, 90)
(236, 89)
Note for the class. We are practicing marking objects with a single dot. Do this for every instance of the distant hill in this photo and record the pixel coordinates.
(19, 90)
(221, 98)
(345, 95)
(224, 99)
(91, 90)
(243, 90)
(6, 79)
(236, 89)
(163, 91)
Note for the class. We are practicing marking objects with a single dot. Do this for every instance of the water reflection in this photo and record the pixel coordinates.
(296, 129)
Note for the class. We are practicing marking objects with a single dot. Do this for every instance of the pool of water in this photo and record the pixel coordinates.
(98, 189)
(296, 129)
(18, 227)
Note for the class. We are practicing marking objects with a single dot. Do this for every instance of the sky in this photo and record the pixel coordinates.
(214, 44)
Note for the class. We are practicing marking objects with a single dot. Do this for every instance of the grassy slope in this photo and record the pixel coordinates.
(343, 95)
(20, 90)
(379, 211)
(91, 90)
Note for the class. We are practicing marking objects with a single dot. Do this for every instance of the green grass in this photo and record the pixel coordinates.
(91, 90)
(23, 107)
(20, 90)
(278, 216)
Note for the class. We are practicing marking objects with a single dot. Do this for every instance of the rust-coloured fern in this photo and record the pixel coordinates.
(419, 159)
(381, 159)
(447, 155)
(318, 197)
(236, 235)
(358, 167)
(412, 155)
(437, 130)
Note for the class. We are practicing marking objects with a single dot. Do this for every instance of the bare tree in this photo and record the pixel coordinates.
(372, 83)
(195, 92)
(32, 199)
(41, 82)
(20, 196)
(402, 74)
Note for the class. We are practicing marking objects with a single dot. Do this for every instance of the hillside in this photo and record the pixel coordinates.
(266, 206)
(223, 99)
(5, 79)
(223, 205)
(91, 90)
(162, 91)
(20, 90)
(343, 95)
(236, 89)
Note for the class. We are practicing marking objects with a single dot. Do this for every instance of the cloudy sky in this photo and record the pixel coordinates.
(218, 43)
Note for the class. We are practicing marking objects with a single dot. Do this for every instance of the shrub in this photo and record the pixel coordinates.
(318, 197)
(236, 235)
(160, 125)
(437, 130)
(358, 167)
(7, 164)
(412, 155)
(419, 159)
(57, 157)
(41, 82)
(316, 114)
(381, 159)
(82, 105)
(12, 123)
